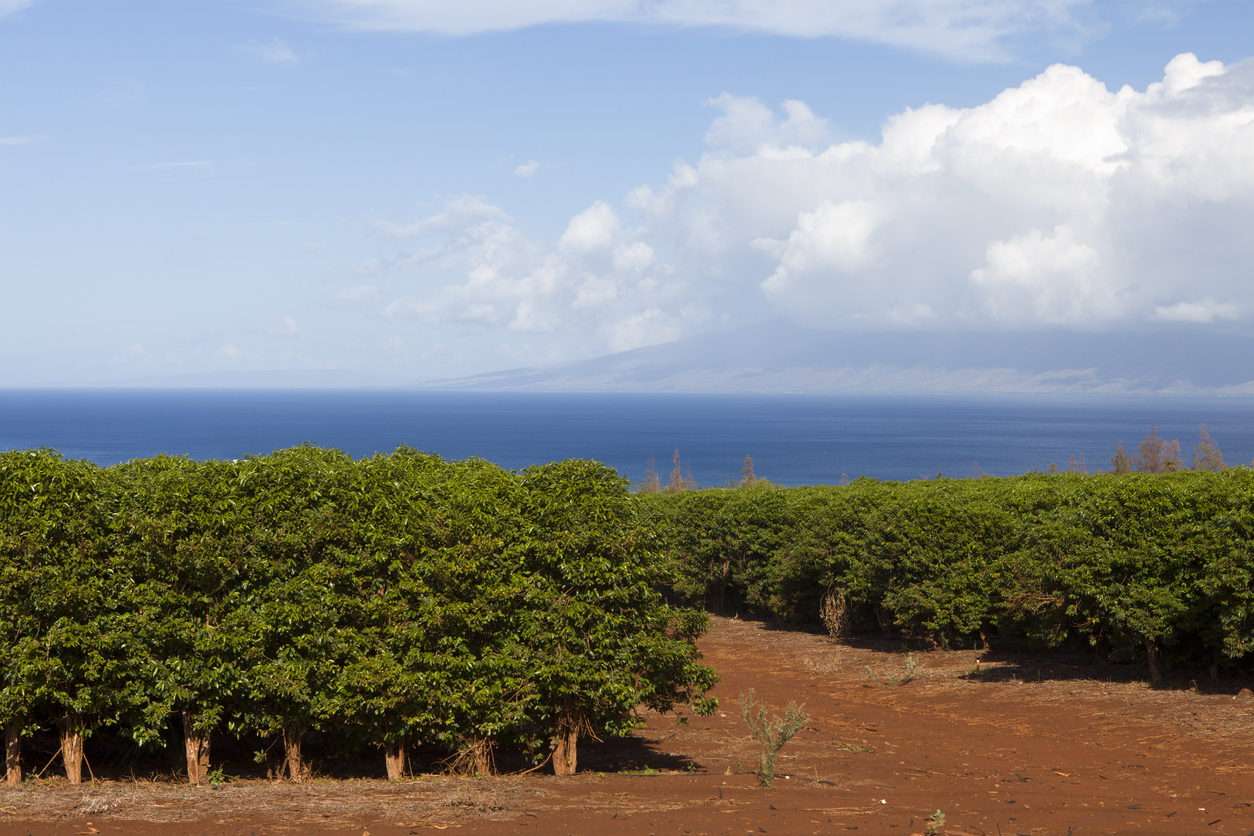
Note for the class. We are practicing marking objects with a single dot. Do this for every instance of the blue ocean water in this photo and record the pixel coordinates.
(793, 439)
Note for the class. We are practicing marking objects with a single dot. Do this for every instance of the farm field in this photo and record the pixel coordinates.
(1027, 743)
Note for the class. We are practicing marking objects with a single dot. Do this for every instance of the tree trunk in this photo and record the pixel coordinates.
(72, 749)
(1151, 656)
(13, 752)
(565, 740)
(394, 754)
(291, 748)
(886, 627)
(196, 744)
(1214, 666)
(1101, 649)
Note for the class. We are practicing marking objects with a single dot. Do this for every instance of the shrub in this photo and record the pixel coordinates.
(771, 731)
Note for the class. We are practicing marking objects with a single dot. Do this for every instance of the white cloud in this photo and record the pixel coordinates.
(747, 125)
(1057, 203)
(1204, 310)
(8, 7)
(593, 229)
(527, 169)
(632, 258)
(285, 327)
(832, 237)
(458, 211)
(649, 327)
(1031, 277)
(273, 51)
(21, 140)
(189, 164)
(964, 29)
(478, 268)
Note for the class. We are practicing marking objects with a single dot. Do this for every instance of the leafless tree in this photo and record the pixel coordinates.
(1206, 453)
(1157, 455)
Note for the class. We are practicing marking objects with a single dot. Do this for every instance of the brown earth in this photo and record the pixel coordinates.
(1001, 742)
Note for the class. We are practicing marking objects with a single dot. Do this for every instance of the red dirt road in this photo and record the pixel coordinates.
(999, 742)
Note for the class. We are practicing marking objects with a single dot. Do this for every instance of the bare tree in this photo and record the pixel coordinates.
(1157, 455)
(1120, 462)
(651, 483)
(747, 476)
(680, 482)
(1206, 453)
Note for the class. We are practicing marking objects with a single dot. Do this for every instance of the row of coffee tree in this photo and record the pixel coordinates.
(1151, 569)
(407, 598)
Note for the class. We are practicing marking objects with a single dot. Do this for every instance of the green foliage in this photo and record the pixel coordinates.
(1124, 563)
(180, 531)
(401, 598)
(63, 603)
(599, 640)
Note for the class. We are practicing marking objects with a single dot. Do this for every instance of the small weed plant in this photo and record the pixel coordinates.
(909, 672)
(772, 732)
(911, 669)
(853, 747)
(935, 822)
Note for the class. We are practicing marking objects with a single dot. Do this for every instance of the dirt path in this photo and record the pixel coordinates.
(1001, 743)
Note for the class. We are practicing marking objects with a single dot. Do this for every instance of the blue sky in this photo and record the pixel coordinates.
(417, 188)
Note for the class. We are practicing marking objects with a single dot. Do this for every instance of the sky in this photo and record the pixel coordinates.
(421, 188)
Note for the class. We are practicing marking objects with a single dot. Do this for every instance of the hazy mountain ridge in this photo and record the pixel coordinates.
(780, 358)
(264, 379)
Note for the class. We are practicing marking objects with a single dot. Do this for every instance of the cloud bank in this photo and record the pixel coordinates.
(962, 29)
(1057, 204)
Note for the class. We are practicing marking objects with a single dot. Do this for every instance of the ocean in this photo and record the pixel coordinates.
(793, 439)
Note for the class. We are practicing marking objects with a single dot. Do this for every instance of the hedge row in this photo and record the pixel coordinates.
(400, 598)
(1131, 565)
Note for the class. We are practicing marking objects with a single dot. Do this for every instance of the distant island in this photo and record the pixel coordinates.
(779, 357)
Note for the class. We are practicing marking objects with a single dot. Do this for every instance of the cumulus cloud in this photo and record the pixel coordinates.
(748, 125)
(475, 266)
(1053, 279)
(1057, 203)
(964, 29)
(527, 169)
